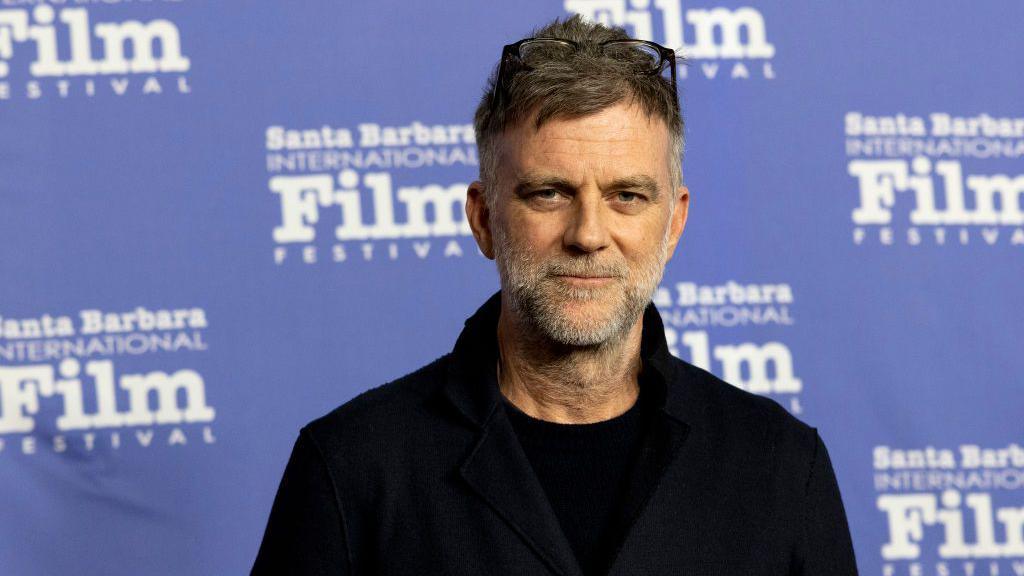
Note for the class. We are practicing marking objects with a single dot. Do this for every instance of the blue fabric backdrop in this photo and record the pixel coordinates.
(219, 220)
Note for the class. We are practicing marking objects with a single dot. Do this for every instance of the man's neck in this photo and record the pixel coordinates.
(567, 384)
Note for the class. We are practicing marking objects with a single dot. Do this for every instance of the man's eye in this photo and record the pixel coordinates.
(548, 194)
(628, 196)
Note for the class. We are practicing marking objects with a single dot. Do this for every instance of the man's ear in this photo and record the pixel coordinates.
(677, 220)
(479, 218)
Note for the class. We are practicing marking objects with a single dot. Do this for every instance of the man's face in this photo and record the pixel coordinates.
(583, 221)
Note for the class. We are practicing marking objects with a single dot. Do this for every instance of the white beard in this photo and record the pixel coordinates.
(540, 298)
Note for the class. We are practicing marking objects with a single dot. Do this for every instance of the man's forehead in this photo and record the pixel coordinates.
(621, 134)
(620, 120)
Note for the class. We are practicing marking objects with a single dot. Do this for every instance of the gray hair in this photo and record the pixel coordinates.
(558, 87)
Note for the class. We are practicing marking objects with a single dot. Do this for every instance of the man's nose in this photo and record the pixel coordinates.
(587, 230)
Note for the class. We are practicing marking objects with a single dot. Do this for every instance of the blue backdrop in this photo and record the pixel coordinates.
(219, 220)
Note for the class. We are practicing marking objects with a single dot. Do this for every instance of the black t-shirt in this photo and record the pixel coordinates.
(584, 471)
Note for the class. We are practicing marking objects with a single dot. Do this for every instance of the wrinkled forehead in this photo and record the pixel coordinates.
(605, 145)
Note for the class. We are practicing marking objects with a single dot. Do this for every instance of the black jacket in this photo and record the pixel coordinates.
(425, 476)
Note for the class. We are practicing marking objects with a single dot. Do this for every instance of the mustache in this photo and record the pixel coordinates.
(586, 268)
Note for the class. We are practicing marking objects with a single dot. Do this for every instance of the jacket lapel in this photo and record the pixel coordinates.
(497, 469)
(499, 472)
(660, 449)
(666, 442)
(680, 468)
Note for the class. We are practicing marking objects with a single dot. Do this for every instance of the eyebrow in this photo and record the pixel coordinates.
(639, 182)
(537, 181)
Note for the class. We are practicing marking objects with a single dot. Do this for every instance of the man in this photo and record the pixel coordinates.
(560, 436)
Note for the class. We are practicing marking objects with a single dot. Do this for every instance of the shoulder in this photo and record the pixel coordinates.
(393, 440)
(748, 418)
(751, 436)
(384, 411)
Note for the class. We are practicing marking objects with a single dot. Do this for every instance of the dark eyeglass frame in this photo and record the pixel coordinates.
(511, 53)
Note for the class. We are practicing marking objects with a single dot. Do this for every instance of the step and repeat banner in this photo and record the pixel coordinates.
(220, 220)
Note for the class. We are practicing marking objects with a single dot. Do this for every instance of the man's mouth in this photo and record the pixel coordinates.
(585, 281)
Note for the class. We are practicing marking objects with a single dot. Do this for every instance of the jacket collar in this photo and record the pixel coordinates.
(498, 470)
(472, 383)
